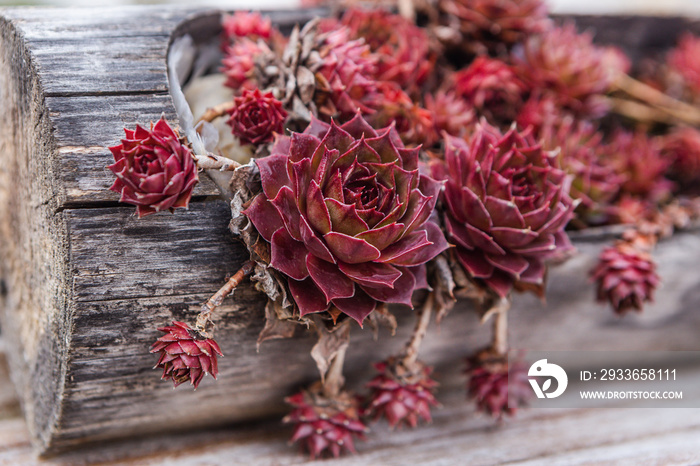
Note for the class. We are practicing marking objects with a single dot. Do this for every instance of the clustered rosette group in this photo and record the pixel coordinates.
(404, 164)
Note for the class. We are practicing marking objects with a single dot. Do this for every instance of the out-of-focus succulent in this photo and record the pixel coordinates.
(154, 170)
(568, 66)
(346, 211)
(497, 387)
(625, 276)
(402, 396)
(683, 60)
(255, 117)
(682, 147)
(451, 113)
(402, 48)
(492, 26)
(238, 64)
(637, 157)
(595, 181)
(245, 24)
(491, 87)
(413, 122)
(506, 204)
(186, 354)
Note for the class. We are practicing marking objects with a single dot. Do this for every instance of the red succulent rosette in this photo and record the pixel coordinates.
(626, 277)
(682, 147)
(256, 117)
(497, 387)
(567, 66)
(349, 69)
(451, 113)
(246, 24)
(495, 25)
(491, 86)
(402, 48)
(637, 157)
(346, 211)
(325, 425)
(186, 354)
(400, 395)
(238, 64)
(684, 60)
(154, 170)
(506, 204)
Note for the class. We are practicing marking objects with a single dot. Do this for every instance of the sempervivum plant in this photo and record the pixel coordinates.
(238, 64)
(255, 117)
(186, 354)
(346, 213)
(682, 60)
(491, 86)
(243, 24)
(499, 388)
(506, 203)
(637, 157)
(682, 147)
(493, 25)
(400, 394)
(596, 182)
(451, 113)
(625, 277)
(155, 171)
(402, 48)
(567, 65)
(325, 426)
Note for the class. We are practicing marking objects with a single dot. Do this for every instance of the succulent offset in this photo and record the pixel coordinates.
(186, 354)
(346, 213)
(492, 26)
(625, 277)
(325, 426)
(506, 204)
(400, 395)
(498, 388)
(256, 117)
(568, 67)
(492, 87)
(155, 171)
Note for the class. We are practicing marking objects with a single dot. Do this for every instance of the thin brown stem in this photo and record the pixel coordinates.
(640, 112)
(217, 111)
(216, 162)
(666, 105)
(334, 379)
(500, 327)
(212, 303)
(424, 314)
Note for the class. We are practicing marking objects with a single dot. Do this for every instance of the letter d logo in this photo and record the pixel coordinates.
(542, 368)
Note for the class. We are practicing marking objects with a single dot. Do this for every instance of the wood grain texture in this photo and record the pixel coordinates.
(88, 283)
(458, 435)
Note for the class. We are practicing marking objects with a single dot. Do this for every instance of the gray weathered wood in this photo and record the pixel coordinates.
(458, 435)
(88, 283)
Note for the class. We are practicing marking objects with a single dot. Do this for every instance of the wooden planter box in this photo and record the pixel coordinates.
(85, 282)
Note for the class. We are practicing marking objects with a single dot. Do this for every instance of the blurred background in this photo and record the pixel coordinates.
(656, 7)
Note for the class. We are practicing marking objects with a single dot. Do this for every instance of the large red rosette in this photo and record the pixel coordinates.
(346, 213)
(154, 170)
(506, 204)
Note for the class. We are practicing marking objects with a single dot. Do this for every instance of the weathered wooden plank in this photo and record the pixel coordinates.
(183, 253)
(101, 66)
(559, 436)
